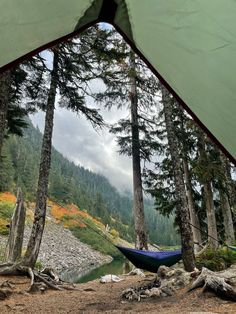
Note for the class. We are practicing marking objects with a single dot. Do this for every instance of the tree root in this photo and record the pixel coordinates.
(39, 281)
(222, 283)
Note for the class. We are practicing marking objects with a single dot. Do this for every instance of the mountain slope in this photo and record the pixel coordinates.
(70, 183)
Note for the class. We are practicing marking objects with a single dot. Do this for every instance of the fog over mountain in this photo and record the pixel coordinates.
(96, 150)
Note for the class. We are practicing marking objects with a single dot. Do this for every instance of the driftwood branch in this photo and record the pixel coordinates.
(222, 283)
(16, 234)
(47, 282)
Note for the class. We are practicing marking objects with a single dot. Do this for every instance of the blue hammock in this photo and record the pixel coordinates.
(231, 247)
(149, 260)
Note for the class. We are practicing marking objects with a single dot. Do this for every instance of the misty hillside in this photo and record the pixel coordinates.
(70, 183)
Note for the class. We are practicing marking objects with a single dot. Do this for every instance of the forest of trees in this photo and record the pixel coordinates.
(186, 174)
(70, 183)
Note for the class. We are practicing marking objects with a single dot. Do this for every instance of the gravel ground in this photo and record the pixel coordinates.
(61, 250)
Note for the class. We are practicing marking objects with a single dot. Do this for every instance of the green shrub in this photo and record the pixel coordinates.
(6, 210)
(96, 241)
(38, 265)
(4, 229)
(114, 233)
(216, 260)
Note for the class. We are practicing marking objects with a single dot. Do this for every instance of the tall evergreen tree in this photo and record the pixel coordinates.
(205, 173)
(186, 141)
(74, 65)
(180, 194)
(24, 81)
(33, 246)
(130, 84)
(4, 102)
(224, 191)
(139, 223)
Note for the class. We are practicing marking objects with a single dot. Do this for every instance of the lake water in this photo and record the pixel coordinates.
(116, 267)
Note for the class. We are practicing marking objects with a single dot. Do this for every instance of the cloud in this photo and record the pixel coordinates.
(75, 138)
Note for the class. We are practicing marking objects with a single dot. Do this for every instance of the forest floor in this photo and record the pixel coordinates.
(95, 297)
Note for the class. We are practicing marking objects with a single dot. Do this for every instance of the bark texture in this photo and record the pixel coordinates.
(211, 218)
(225, 204)
(195, 225)
(138, 206)
(4, 101)
(16, 235)
(205, 179)
(44, 169)
(181, 200)
(222, 283)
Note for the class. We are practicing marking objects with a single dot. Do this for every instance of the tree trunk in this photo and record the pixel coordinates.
(16, 235)
(44, 169)
(138, 206)
(211, 218)
(227, 217)
(230, 188)
(195, 225)
(208, 194)
(225, 204)
(4, 101)
(181, 200)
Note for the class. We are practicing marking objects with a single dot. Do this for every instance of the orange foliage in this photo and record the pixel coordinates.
(71, 211)
(74, 215)
(57, 211)
(7, 197)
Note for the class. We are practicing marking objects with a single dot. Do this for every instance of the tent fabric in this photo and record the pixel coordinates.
(190, 44)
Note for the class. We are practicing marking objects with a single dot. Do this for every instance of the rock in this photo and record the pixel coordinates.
(136, 271)
(154, 292)
(162, 271)
(110, 278)
(61, 250)
(170, 273)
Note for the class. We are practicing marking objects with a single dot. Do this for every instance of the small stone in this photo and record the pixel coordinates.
(167, 291)
(162, 271)
(154, 292)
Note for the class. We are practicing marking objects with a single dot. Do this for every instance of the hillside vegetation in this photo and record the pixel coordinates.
(73, 184)
(85, 227)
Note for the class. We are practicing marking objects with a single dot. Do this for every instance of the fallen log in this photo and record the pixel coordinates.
(39, 281)
(223, 283)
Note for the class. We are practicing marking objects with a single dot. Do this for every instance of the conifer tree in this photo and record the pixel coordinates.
(180, 193)
(24, 81)
(4, 102)
(74, 65)
(205, 171)
(130, 84)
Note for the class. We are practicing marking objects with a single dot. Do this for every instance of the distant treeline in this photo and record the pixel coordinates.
(70, 183)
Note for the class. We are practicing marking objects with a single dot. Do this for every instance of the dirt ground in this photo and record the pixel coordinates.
(95, 297)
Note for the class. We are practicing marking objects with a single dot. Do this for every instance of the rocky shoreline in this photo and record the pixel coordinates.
(61, 250)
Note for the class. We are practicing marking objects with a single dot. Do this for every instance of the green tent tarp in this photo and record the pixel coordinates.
(190, 44)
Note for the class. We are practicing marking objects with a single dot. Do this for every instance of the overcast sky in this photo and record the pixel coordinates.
(75, 138)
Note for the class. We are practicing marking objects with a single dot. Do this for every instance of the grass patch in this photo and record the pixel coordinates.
(96, 241)
(6, 211)
(216, 260)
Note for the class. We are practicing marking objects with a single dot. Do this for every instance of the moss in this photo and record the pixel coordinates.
(216, 260)
(38, 265)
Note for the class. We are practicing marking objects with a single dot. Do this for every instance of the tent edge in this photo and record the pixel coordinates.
(178, 98)
(156, 73)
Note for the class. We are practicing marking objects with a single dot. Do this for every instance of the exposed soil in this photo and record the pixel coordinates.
(95, 297)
